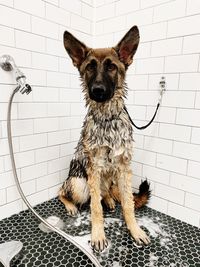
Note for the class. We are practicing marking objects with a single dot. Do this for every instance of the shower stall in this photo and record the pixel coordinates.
(46, 118)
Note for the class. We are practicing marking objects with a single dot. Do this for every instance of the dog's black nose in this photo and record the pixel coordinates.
(98, 90)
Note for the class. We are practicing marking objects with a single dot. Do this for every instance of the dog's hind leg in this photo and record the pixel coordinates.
(74, 191)
(70, 207)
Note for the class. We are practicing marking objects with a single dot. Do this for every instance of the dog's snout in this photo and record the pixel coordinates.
(98, 89)
(98, 92)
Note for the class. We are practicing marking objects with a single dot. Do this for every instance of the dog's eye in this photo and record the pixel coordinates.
(112, 67)
(91, 67)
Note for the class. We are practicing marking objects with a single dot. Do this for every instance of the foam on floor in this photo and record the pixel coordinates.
(173, 243)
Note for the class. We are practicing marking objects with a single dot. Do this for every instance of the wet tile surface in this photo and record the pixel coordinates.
(173, 243)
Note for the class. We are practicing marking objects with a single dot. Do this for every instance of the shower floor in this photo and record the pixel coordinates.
(173, 242)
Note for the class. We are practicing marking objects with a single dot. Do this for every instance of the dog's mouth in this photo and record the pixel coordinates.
(100, 94)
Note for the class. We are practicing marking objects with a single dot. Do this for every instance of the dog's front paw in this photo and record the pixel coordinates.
(140, 236)
(71, 209)
(99, 241)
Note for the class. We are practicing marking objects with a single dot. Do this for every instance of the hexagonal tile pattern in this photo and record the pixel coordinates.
(173, 242)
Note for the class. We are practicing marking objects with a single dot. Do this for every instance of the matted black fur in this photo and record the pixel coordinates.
(144, 189)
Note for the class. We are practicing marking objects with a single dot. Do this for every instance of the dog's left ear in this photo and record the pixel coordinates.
(127, 47)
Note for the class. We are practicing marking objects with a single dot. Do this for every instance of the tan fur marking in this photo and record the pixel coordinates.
(140, 201)
(109, 201)
(115, 193)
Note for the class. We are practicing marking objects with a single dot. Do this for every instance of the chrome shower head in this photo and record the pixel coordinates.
(7, 63)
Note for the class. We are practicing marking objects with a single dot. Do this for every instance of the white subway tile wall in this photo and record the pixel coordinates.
(47, 123)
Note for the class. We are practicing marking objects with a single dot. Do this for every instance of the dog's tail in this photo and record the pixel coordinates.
(142, 197)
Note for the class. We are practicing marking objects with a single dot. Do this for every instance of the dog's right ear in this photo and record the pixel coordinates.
(76, 49)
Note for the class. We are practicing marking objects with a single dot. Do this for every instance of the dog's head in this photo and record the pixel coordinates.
(102, 70)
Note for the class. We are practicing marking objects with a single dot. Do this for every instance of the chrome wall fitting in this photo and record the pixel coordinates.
(162, 84)
(7, 63)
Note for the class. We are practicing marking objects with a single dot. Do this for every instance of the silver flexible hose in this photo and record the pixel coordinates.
(58, 231)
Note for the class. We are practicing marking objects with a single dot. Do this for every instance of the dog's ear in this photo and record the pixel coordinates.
(76, 49)
(127, 47)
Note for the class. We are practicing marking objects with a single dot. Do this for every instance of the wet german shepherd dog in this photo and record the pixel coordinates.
(100, 170)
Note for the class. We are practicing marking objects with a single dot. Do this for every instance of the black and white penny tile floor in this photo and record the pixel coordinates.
(173, 242)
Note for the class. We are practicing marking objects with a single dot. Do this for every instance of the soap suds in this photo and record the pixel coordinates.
(82, 218)
(156, 229)
(84, 241)
(116, 264)
(152, 260)
(109, 220)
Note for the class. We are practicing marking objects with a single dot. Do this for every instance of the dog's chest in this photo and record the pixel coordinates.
(109, 140)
